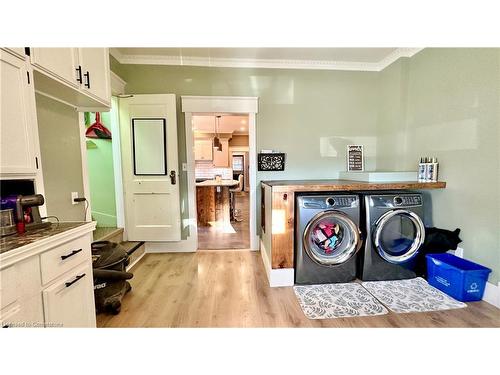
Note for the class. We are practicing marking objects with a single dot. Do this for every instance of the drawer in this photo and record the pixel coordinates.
(64, 257)
(69, 302)
(21, 280)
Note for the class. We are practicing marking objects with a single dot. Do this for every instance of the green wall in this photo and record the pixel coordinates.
(446, 103)
(440, 102)
(61, 158)
(310, 115)
(101, 177)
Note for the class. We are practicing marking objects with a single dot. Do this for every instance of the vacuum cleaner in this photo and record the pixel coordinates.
(109, 262)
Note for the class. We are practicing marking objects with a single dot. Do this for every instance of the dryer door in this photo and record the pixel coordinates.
(398, 235)
(331, 238)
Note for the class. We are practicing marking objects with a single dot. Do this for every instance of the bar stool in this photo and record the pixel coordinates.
(232, 197)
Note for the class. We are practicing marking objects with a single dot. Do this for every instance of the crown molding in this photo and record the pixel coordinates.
(263, 63)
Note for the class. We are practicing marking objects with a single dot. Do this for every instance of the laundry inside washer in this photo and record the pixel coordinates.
(327, 238)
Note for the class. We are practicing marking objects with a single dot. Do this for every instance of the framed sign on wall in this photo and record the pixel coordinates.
(355, 158)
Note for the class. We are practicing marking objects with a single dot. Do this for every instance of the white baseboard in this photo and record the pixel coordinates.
(185, 246)
(492, 294)
(276, 277)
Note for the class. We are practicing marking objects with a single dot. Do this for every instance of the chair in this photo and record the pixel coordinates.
(235, 214)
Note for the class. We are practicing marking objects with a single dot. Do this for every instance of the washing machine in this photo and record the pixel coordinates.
(394, 232)
(327, 238)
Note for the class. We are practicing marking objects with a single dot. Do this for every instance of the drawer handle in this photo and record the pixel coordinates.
(87, 75)
(70, 254)
(79, 71)
(75, 280)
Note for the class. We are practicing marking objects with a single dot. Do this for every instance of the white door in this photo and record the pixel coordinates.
(62, 62)
(148, 126)
(17, 116)
(95, 72)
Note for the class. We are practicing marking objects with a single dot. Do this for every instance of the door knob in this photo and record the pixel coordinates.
(172, 177)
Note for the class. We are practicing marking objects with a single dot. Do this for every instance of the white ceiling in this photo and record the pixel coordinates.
(236, 124)
(371, 59)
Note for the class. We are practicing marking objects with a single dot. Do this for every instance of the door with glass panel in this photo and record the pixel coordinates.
(150, 167)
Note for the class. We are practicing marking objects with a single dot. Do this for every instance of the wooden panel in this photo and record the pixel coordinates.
(348, 185)
(282, 229)
(205, 204)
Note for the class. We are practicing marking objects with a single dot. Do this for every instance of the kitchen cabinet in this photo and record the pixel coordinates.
(18, 126)
(95, 72)
(203, 149)
(59, 62)
(221, 158)
(69, 301)
(49, 282)
(78, 76)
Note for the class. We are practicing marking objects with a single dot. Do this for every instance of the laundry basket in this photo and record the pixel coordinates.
(459, 278)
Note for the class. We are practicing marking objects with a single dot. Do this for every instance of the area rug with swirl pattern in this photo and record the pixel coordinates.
(327, 301)
(412, 295)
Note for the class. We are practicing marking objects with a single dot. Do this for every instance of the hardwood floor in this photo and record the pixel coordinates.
(230, 289)
(235, 236)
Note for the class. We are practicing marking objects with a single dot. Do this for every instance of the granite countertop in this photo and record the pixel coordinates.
(217, 183)
(15, 241)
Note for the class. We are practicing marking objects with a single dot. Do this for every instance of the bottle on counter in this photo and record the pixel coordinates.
(422, 169)
(433, 170)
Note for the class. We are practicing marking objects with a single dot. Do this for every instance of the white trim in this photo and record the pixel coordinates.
(492, 294)
(263, 63)
(185, 246)
(85, 170)
(276, 277)
(117, 163)
(220, 104)
(117, 84)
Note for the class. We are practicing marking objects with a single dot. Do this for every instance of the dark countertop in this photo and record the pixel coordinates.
(349, 185)
(15, 241)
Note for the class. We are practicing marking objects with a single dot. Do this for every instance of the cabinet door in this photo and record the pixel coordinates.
(95, 70)
(70, 300)
(60, 62)
(221, 158)
(17, 116)
(26, 314)
(203, 149)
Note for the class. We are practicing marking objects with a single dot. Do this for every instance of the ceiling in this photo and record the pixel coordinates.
(371, 59)
(236, 124)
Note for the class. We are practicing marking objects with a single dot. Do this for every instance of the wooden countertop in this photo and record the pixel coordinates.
(217, 183)
(349, 185)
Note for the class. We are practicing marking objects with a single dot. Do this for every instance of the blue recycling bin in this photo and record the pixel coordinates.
(459, 278)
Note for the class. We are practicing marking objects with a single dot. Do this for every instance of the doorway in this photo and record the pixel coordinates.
(230, 197)
(222, 203)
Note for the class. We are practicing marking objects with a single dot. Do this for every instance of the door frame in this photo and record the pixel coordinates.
(192, 105)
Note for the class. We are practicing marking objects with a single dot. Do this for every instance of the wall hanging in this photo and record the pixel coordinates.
(271, 162)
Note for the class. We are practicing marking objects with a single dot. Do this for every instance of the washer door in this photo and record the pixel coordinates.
(398, 235)
(331, 238)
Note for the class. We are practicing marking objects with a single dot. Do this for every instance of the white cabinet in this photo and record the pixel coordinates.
(20, 297)
(70, 300)
(203, 149)
(221, 158)
(60, 62)
(49, 282)
(18, 127)
(95, 72)
(78, 76)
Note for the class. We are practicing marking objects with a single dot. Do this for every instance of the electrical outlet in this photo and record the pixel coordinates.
(74, 194)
